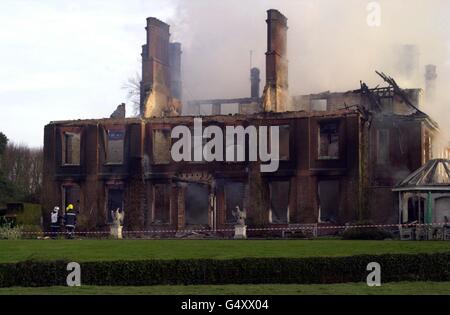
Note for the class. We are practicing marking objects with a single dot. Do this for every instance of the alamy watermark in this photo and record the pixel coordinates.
(374, 277)
(374, 14)
(74, 277)
(208, 144)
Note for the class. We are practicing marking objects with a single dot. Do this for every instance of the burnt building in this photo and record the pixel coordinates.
(340, 154)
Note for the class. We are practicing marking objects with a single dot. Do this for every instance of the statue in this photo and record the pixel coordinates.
(240, 229)
(240, 216)
(117, 223)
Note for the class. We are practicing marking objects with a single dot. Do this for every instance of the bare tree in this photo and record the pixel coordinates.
(23, 167)
(133, 88)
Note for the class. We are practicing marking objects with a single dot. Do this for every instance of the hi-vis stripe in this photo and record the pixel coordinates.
(294, 228)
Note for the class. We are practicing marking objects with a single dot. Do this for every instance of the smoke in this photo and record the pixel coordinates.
(438, 108)
(330, 45)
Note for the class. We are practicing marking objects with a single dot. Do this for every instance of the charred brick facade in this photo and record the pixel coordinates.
(340, 153)
(156, 192)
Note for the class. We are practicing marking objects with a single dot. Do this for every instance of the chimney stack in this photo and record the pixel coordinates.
(155, 84)
(430, 82)
(275, 96)
(255, 81)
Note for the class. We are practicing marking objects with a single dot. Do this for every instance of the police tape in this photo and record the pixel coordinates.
(307, 227)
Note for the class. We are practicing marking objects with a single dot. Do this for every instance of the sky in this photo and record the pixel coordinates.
(67, 60)
(62, 60)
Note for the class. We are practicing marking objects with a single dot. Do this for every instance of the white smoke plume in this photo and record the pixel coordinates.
(330, 45)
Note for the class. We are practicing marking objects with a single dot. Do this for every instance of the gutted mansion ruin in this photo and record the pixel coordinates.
(340, 154)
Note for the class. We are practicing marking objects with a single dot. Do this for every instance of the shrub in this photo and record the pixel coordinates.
(31, 215)
(365, 233)
(9, 231)
(416, 267)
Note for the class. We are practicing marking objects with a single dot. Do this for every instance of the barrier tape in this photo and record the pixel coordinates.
(293, 228)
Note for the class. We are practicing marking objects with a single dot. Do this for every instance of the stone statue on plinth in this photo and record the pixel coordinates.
(117, 223)
(240, 229)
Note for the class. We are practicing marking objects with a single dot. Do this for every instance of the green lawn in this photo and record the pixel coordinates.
(409, 288)
(94, 250)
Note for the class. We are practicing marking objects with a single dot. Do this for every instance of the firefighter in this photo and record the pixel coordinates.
(54, 223)
(70, 221)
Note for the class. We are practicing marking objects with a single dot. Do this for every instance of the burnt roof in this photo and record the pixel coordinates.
(220, 118)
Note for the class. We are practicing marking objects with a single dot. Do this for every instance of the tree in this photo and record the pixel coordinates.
(21, 171)
(133, 88)
(8, 191)
(3, 143)
(23, 166)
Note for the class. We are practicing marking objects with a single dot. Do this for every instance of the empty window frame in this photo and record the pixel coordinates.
(319, 105)
(71, 148)
(382, 146)
(161, 146)
(416, 209)
(115, 201)
(229, 109)
(279, 201)
(234, 197)
(196, 204)
(329, 140)
(216, 109)
(115, 146)
(71, 195)
(161, 204)
(329, 199)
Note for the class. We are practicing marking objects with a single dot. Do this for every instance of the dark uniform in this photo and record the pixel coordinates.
(70, 221)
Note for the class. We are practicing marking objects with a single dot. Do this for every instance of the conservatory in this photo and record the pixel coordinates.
(424, 202)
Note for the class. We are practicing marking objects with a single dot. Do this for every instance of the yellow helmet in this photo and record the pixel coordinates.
(69, 207)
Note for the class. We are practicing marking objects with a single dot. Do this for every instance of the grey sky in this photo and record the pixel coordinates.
(67, 60)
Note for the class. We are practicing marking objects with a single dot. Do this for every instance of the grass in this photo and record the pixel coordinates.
(95, 250)
(407, 288)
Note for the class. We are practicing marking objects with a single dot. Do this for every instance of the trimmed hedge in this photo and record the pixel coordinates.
(394, 267)
(366, 233)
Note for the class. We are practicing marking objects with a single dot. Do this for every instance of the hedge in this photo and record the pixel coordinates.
(365, 233)
(394, 267)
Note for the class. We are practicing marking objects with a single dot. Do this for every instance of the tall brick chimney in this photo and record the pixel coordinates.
(275, 96)
(255, 81)
(156, 99)
(430, 82)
